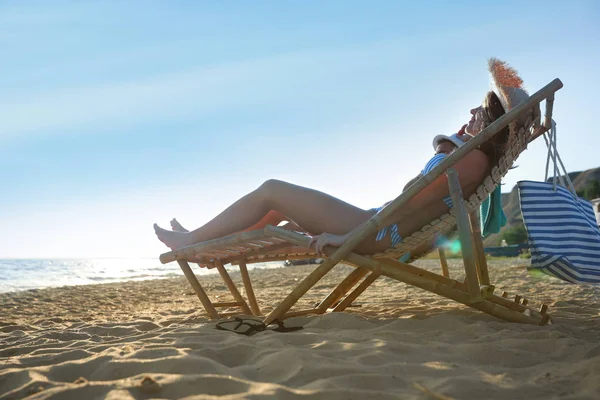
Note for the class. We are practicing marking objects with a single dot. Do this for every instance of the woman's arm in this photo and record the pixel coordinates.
(411, 182)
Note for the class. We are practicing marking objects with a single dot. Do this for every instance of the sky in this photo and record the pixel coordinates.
(118, 114)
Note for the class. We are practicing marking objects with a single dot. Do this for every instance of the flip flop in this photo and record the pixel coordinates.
(250, 326)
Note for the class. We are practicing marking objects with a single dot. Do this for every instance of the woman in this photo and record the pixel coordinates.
(332, 221)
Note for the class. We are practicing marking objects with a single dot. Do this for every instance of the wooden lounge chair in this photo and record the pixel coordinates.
(273, 243)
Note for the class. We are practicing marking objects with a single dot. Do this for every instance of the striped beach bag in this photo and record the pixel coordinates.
(564, 238)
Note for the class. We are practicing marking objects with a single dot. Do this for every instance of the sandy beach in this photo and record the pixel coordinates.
(151, 339)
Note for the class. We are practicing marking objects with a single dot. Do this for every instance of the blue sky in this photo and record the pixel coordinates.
(115, 115)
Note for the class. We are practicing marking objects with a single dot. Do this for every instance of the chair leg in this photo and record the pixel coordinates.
(464, 232)
(495, 305)
(299, 291)
(481, 262)
(443, 262)
(189, 274)
(341, 306)
(342, 288)
(232, 288)
(249, 290)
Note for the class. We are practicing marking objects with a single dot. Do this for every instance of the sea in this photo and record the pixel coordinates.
(25, 274)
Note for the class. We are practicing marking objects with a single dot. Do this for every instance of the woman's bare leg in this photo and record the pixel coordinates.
(272, 218)
(314, 211)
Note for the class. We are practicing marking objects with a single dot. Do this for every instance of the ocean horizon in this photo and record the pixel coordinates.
(17, 274)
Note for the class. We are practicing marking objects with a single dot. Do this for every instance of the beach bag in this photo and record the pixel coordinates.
(563, 233)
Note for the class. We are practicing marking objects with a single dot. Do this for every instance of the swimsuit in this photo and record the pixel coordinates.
(393, 229)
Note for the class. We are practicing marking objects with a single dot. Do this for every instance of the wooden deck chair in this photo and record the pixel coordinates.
(273, 243)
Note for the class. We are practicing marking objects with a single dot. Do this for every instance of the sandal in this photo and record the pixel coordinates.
(250, 326)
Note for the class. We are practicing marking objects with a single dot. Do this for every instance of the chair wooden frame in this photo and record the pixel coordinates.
(273, 243)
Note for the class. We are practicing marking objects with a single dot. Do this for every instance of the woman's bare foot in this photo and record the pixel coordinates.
(176, 226)
(173, 239)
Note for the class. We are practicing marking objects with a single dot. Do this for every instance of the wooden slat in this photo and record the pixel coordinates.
(480, 260)
(464, 232)
(206, 255)
(505, 302)
(281, 247)
(212, 254)
(234, 250)
(233, 289)
(340, 290)
(249, 290)
(236, 238)
(348, 300)
(443, 262)
(206, 303)
(411, 269)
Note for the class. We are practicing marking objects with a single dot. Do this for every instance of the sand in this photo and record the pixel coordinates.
(151, 339)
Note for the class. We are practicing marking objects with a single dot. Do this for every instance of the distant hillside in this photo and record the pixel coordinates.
(510, 201)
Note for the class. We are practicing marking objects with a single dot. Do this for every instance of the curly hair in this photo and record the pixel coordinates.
(492, 110)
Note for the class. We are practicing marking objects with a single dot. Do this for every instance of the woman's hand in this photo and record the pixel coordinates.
(326, 239)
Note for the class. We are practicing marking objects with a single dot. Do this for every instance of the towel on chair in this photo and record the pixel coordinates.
(491, 215)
